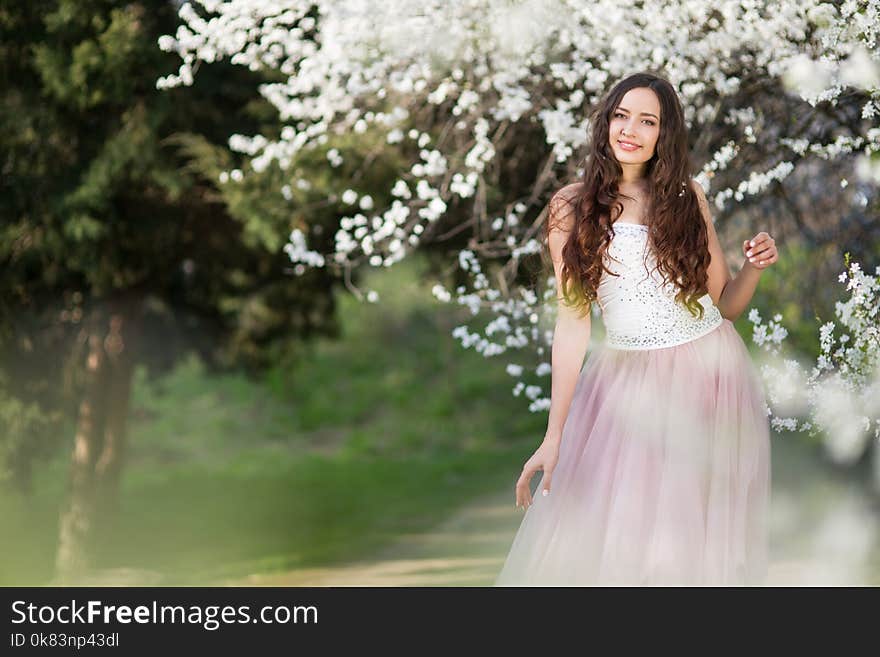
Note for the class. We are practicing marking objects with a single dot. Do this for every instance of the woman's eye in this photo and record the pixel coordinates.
(649, 122)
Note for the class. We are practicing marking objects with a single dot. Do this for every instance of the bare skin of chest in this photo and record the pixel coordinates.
(633, 208)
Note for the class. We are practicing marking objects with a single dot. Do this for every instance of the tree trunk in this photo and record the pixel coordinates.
(99, 444)
(120, 366)
(76, 518)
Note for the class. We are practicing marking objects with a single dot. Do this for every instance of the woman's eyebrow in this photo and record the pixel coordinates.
(643, 113)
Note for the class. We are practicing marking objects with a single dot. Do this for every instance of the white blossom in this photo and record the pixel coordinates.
(491, 73)
(841, 393)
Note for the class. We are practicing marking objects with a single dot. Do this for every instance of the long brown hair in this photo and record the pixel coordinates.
(677, 233)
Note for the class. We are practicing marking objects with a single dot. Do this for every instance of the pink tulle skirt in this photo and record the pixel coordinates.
(663, 475)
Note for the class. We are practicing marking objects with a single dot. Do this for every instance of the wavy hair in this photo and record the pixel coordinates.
(677, 233)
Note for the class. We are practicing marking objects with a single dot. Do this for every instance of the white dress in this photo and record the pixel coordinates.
(663, 475)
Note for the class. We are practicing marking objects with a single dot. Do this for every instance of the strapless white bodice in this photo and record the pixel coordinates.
(639, 311)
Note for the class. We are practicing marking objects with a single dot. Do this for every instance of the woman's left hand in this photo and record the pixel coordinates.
(761, 251)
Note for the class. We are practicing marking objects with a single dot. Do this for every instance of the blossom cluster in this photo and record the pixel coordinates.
(839, 398)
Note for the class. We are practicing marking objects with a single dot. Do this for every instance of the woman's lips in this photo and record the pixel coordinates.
(627, 146)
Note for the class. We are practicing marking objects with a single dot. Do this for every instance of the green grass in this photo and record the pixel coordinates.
(388, 430)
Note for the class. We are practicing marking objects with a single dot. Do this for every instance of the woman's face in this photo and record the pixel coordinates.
(636, 120)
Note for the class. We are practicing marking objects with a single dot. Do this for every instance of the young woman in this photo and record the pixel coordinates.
(656, 460)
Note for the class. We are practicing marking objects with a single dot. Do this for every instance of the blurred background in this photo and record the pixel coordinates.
(181, 402)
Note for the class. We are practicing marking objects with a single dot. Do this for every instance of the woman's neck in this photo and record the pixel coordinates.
(639, 185)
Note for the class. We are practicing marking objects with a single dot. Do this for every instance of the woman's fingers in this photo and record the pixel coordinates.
(762, 255)
(760, 237)
(523, 493)
(760, 244)
(769, 260)
(756, 255)
(765, 260)
(548, 478)
(761, 250)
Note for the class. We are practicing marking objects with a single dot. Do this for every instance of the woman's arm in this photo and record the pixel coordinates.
(571, 336)
(738, 293)
(731, 295)
(570, 341)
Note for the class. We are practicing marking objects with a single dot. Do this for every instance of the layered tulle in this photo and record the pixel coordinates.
(663, 475)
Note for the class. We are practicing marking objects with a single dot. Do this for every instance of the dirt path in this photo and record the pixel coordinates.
(466, 550)
(824, 532)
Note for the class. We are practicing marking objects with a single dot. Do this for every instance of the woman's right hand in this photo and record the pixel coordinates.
(544, 458)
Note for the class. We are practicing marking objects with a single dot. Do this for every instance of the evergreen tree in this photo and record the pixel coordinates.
(114, 229)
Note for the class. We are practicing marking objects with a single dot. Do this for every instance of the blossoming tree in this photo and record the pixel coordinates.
(461, 87)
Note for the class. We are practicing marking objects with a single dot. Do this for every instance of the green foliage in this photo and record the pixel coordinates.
(26, 435)
(110, 188)
(793, 290)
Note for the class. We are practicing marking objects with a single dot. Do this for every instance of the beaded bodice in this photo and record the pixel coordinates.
(639, 310)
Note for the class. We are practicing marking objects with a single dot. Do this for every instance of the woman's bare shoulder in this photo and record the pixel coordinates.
(562, 207)
(569, 192)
